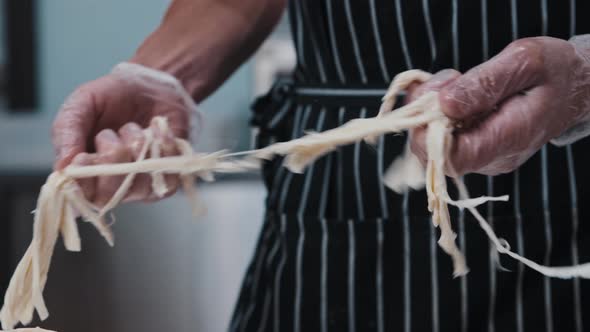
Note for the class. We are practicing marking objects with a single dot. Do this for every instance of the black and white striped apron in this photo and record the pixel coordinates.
(340, 252)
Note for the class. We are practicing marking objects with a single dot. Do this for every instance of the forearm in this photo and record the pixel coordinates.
(202, 42)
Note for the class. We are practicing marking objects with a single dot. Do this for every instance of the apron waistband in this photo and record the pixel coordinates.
(270, 109)
(327, 91)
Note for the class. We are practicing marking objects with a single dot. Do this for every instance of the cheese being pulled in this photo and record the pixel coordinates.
(61, 200)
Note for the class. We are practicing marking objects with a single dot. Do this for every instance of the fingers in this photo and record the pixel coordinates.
(418, 136)
(518, 67)
(87, 185)
(179, 124)
(172, 180)
(436, 82)
(109, 150)
(125, 146)
(133, 138)
(72, 127)
(418, 144)
(168, 148)
(504, 140)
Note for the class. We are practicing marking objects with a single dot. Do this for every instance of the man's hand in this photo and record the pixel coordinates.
(199, 42)
(102, 122)
(510, 106)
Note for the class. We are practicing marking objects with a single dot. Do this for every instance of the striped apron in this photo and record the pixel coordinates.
(340, 252)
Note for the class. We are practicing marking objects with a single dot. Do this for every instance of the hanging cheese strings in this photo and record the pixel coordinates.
(60, 197)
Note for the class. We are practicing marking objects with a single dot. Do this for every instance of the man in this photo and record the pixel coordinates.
(337, 251)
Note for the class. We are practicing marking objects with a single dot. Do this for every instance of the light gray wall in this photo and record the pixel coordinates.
(83, 39)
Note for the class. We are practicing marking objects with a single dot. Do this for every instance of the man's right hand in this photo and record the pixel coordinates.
(200, 42)
(102, 123)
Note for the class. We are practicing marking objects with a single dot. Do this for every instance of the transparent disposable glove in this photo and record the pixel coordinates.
(535, 90)
(102, 122)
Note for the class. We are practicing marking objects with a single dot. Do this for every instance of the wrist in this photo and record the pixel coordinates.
(156, 80)
(168, 51)
(202, 42)
(174, 65)
(581, 122)
(581, 45)
(573, 134)
(194, 43)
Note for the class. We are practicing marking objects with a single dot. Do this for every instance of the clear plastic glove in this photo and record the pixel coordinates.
(102, 122)
(507, 108)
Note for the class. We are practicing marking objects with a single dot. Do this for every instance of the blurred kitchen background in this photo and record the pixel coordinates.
(168, 271)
